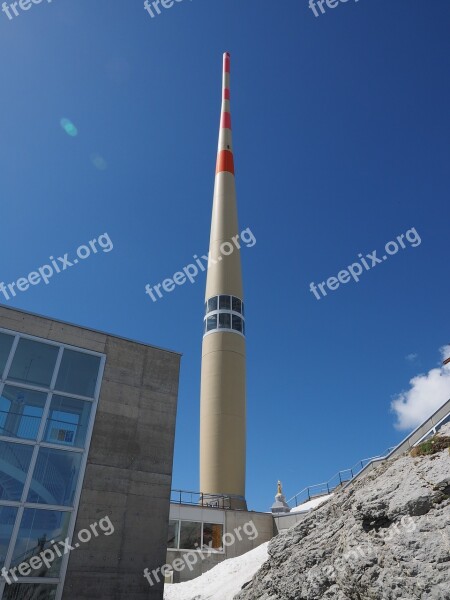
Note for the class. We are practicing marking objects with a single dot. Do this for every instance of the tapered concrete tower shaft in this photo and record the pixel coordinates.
(222, 409)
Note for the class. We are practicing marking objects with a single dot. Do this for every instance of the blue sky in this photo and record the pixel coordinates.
(341, 128)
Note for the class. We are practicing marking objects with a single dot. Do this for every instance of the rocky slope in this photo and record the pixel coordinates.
(385, 537)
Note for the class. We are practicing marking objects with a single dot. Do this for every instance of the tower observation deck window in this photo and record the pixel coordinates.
(237, 323)
(211, 304)
(224, 321)
(237, 305)
(224, 302)
(224, 313)
(211, 322)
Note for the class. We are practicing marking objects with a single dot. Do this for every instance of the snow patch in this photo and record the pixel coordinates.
(222, 582)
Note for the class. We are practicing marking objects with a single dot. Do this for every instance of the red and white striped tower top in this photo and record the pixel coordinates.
(224, 273)
(225, 160)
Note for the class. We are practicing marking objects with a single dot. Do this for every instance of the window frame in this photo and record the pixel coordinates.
(220, 311)
(39, 442)
(199, 550)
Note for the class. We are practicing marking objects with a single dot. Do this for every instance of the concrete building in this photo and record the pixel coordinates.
(200, 537)
(87, 424)
(222, 404)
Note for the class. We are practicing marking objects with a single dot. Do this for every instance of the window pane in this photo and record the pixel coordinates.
(237, 323)
(211, 323)
(212, 535)
(190, 535)
(33, 362)
(78, 373)
(39, 530)
(14, 462)
(224, 321)
(6, 341)
(30, 591)
(225, 302)
(237, 305)
(7, 520)
(172, 536)
(55, 477)
(20, 412)
(212, 304)
(68, 421)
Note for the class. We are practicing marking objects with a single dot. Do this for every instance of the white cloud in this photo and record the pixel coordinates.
(412, 357)
(427, 393)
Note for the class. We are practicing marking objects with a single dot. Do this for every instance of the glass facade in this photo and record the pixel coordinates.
(192, 535)
(33, 363)
(172, 534)
(21, 411)
(212, 536)
(48, 399)
(224, 313)
(6, 342)
(8, 516)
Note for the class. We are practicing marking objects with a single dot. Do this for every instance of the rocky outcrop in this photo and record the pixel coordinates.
(385, 537)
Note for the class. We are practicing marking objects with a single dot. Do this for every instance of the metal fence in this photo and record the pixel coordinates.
(200, 499)
(338, 480)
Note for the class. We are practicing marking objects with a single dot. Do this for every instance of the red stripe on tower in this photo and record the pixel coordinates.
(225, 162)
(226, 120)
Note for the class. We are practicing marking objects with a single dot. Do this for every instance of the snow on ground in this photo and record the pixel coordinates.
(222, 582)
(307, 506)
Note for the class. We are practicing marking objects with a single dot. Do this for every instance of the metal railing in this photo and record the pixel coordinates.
(337, 481)
(200, 499)
(439, 417)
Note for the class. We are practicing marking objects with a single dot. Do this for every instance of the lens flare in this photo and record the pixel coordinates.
(99, 162)
(69, 127)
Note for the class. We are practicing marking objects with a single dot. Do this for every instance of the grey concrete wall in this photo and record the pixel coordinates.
(233, 520)
(129, 468)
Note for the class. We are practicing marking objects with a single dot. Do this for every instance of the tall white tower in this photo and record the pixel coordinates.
(223, 405)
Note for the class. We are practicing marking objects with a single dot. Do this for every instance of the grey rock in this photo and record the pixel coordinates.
(386, 537)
